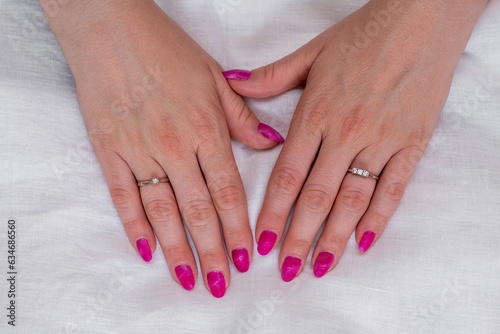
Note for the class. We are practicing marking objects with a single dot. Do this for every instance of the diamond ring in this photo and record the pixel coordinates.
(153, 181)
(362, 172)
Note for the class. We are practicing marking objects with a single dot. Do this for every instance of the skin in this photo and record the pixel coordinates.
(374, 107)
(155, 104)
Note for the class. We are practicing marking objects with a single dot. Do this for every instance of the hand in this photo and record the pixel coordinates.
(155, 105)
(376, 83)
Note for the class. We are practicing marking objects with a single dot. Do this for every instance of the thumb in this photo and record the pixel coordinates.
(275, 78)
(243, 125)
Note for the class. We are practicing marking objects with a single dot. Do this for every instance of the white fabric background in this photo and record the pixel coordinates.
(436, 268)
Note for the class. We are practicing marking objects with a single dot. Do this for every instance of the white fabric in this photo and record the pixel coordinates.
(436, 268)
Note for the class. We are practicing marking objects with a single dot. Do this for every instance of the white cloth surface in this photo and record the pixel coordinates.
(435, 269)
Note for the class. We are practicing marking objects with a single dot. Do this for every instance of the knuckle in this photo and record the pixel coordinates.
(394, 191)
(174, 251)
(333, 241)
(314, 117)
(300, 245)
(130, 225)
(169, 141)
(121, 197)
(354, 200)
(207, 124)
(160, 210)
(415, 153)
(287, 179)
(227, 197)
(208, 253)
(199, 213)
(100, 141)
(269, 73)
(317, 200)
(379, 218)
(351, 127)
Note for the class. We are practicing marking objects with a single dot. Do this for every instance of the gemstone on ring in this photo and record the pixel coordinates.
(362, 172)
(153, 181)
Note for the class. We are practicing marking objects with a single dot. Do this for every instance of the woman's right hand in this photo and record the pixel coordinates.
(155, 105)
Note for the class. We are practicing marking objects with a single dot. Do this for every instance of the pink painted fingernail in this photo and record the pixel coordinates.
(185, 276)
(144, 249)
(366, 241)
(237, 74)
(290, 268)
(216, 283)
(270, 133)
(266, 242)
(240, 259)
(323, 263)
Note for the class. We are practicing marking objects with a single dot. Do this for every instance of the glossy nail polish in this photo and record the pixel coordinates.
(237, 74)
(323, 262)
(366, 241)
(144, 249)
(216, 283)
(290, 268)
(270, 133)
(240, 259)
(185, 276)
(266, 242)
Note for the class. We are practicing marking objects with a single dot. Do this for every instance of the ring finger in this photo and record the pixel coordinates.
(350, 204)
(162, 211)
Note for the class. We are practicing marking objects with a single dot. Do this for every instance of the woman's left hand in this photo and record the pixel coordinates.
(376, 84)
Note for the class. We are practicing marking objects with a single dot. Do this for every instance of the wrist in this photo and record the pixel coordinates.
(75, 21)
(443, 26)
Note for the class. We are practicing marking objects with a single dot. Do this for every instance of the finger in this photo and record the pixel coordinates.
(388, 194)
(228, 195)
(313, 205)
(243, 125)
(350, 204)
(200, 218)
(161, 209)
(277, 77)
(285, 182)
(126, 198)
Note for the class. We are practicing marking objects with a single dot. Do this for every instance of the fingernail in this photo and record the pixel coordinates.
(216, 283)
(185, 276)
(290, 268)
(237, 74)
(266, 242)
(323, 263)
(366, 241)
(240, 259)
(270, 133)
(144, 249)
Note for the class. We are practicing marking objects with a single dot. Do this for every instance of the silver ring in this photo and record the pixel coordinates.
(362, 172)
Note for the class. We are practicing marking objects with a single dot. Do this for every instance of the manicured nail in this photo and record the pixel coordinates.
(290, 268)
(240, 259)
(266, 242)
(237, 74)
(366, 241)
(144, 249)
(323, 263)
(270, 133)
(185, 276)
(216, 283)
